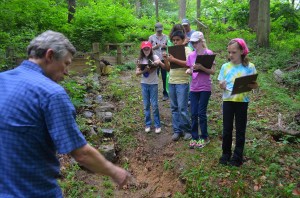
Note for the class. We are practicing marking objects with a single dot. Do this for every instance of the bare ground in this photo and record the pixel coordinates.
(153, 163)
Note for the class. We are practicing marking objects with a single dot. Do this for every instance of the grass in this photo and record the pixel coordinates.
(272, 167)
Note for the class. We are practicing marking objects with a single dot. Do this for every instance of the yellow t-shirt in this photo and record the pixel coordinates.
(178, 75)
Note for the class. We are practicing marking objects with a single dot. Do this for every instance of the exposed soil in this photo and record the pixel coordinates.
(153, 163)
(149, 162)
(157, 162)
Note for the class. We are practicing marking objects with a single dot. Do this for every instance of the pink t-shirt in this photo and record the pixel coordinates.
(200, 80)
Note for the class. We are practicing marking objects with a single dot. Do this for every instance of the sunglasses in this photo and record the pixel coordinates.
(195, 42)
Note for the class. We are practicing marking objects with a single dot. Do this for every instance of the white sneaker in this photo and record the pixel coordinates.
(147, 129)
(158, 130)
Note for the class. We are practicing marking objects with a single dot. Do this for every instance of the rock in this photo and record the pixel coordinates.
(87, 114)
(104, 116)
(108, 151)
(105, 107)
(92, 132)
(99, 99)
(107, 132)
(278, 75)
(88, 100)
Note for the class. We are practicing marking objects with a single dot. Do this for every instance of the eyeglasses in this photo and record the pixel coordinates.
(146, 49)
(195, 42)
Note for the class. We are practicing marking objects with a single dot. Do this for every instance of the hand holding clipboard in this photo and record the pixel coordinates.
(206, 60)
(244, 84)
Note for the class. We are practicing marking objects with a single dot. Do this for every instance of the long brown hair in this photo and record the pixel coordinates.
(245, 59)
(150, 57)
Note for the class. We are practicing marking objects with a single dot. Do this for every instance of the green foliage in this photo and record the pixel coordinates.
(239, 15)
(75, 91)
(292, 78)
(71, 186)
(91, 25)
(285, 17)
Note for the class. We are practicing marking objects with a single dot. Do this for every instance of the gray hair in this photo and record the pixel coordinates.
(50, 40)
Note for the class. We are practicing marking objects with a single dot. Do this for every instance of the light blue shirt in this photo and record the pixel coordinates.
(229, 72)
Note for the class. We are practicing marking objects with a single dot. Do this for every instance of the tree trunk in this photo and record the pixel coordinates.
(263, 31)
(182, 10)
(71, 9)
(253, 15)
(138, 8)
(198, 13)
(156, 10)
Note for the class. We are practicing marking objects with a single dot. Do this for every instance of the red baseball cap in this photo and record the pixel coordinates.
(146, 44)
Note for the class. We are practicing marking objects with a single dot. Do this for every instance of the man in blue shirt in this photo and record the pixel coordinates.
(188, 32)
(37, 120)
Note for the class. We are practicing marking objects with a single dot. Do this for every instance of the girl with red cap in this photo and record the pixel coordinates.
(235, 106)
(147, 65)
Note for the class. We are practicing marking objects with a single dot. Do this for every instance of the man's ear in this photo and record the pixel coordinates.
(49, 55)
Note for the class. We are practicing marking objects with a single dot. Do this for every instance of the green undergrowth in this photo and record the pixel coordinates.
(271, 167)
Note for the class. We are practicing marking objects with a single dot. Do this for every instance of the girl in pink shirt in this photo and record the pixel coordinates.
(200, 90)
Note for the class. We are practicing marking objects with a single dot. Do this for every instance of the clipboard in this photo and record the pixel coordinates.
(178, 51)
(241, 84)
(142, 66)
(205, 60)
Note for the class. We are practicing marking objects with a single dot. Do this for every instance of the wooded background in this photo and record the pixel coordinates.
(274, 22)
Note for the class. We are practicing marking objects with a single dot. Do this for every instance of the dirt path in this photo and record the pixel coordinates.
(153, 162)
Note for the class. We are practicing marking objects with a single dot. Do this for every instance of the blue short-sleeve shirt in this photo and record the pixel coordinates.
(37, 120)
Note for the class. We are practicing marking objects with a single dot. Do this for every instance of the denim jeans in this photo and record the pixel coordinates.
(238, 112)
(178, 94)
(150, 97)
(199, 102)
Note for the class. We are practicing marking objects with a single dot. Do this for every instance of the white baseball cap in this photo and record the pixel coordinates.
(196, 36)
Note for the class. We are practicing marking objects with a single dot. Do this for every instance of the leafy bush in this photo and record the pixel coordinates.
(285, 17)
(292, 78)
(102, 22)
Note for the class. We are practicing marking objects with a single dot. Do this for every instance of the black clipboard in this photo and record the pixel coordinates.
(241, 84)
(205, 60)
(178, 51)
(142, 66)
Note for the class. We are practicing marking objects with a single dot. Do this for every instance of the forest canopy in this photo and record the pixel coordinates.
(131, 20)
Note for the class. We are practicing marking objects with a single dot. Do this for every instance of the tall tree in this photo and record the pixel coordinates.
(263, 27)
(138, 8)
(156, 10)
(253, 14)
(198, 11)
(71, 9)
(182, 9)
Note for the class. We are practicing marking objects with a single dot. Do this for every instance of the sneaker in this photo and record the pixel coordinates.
(224, 159)
(147, 129)
(187, 136)
(176, 136)
(165, 98)
(192, 144)
(200, 144)
(158, 130)
(206, 141)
